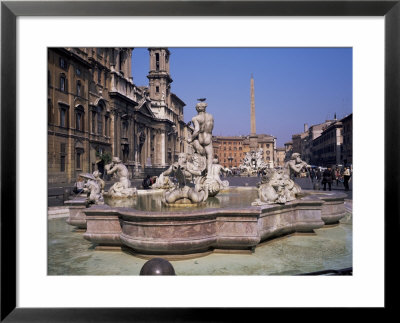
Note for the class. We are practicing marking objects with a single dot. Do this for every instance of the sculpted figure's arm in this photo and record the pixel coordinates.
(196, 129)
(297, 167)
(167, 172)
(194, 172)
(111, 168)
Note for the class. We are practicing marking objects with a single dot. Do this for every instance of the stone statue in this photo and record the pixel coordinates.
(163, 182)
(183, 174)
(202, 135)
(277, 186)
(96, 175)
(294, 165)
(122, 188)
(253, 162)
(216, 170)
(93, 190)
(199, 167)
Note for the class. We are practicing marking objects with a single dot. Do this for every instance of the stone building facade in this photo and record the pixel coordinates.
(268, 145)
(313, 132)
(280, 157)
(95, 111)
(231, 150)
(288, 150)
(347, 148)
(325, 144)
(327, 148)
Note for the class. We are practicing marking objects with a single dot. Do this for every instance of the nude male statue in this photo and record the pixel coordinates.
(202, 135)
(118, 167)
(97, 177)
(216, 170)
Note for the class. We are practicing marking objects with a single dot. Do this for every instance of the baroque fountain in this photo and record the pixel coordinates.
(191, 211)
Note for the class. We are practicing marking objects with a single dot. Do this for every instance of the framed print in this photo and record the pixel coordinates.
(30, 291)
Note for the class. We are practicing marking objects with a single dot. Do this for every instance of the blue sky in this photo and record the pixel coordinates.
(293, 86)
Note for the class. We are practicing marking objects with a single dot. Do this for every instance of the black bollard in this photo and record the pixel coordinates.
(157, 266)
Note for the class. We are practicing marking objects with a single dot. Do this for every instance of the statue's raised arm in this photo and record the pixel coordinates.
(295, 164)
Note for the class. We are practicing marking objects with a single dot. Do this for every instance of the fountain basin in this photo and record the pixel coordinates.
(188, 231)
(76, 216)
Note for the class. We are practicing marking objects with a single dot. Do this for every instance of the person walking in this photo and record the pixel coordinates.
(346, 178)
(312, 174)
(79, 185)
(318, 174)
(327, 178)
(337, 174)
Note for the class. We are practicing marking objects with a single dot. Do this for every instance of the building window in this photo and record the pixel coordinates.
(78, 159)
(157, 89)
(63, 116)
(63, 83)
(99, 123)
(121, 62)
(99, 76)
(124, 129)
(79, 119)
(62, 157)
(106, 127)
(78, 72)
(63, 63)
(125, 153)
(157, 62)
(78, 88)
(93, 122)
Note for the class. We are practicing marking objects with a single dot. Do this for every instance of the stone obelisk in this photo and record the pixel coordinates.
(253, 136)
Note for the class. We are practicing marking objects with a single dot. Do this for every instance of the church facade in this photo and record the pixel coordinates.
(95, 112)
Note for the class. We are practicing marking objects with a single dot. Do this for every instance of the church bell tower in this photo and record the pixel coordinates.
(159, 79)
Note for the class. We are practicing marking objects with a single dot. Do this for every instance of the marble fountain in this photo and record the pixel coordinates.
(190, 211)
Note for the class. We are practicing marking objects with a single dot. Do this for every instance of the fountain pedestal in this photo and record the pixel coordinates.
(76, 217)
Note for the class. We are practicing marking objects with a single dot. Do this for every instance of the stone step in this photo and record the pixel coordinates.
(55, 212)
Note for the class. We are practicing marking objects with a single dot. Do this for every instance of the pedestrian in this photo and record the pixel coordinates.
(146, 182)
(79, 185)
(318, 174)
(327, 178)
(312, 175)
(337, 174)
(346, 178)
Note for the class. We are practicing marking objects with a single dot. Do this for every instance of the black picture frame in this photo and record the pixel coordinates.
(10, 10)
